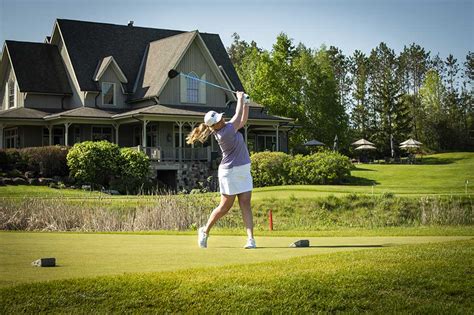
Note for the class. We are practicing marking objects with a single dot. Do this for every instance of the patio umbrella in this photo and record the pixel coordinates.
(362, 142)
(411, 142)
(313, 143)
(409, 146)
(366, 147)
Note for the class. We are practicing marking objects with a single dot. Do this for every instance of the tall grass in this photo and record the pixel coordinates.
(187, 212)
(166, 212)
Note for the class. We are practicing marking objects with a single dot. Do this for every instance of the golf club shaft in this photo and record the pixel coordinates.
(206, 82)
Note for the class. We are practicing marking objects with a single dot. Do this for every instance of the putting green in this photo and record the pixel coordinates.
(87, 255)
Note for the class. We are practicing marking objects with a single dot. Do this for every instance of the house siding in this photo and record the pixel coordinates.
(77, 99)
(44, 101)
(193, 60)
(9, 75)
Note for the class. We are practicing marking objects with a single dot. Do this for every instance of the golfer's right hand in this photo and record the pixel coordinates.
(240, 95)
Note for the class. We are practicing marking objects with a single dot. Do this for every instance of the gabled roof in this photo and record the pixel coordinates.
(38, 67)
(104, 64)
(82, 112)
(89, 42)
(161, 56)
(22, 113)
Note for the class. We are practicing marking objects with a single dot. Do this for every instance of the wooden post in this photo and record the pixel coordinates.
(50, 130)
(144, 144)
(180, 149)
(66, 133)
(1, 135)
(116, 126)
(277, 137)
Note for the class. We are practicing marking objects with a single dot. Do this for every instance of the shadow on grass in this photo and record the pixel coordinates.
(317, 246)
(360, 181)
(437, 160)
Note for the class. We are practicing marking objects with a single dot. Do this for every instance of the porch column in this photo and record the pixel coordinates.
(192, 125)
(277, 137)
(180, 150)
(50, 131)
(66, 133)
(246, 127)
(1, 135)
(116, 126)
(145, 123)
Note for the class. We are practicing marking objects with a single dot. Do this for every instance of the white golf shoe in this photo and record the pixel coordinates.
(202, 238)
(250, 244)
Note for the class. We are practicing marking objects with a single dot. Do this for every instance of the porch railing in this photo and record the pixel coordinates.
(176, 154)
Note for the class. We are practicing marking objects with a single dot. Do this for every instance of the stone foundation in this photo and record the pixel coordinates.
(189, 174)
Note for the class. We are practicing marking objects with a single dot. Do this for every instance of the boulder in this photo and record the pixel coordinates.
(45, 181)
(30, 174)
(111, 192)
(2, 182)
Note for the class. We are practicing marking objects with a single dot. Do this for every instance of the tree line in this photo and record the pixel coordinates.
(383, 97)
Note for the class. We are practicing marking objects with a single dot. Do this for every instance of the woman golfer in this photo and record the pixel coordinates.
(234, 170)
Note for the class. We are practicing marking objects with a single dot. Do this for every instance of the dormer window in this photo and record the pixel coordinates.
(108, 93)
(11, 94)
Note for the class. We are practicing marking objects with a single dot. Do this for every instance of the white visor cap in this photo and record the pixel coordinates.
(212, 118)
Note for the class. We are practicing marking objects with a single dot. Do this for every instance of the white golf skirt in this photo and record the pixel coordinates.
(235, 180)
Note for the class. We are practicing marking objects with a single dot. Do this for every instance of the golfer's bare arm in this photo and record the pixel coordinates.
(239, 112)
(245, 116)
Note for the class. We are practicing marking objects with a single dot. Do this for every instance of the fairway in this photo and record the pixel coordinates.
(88, 255)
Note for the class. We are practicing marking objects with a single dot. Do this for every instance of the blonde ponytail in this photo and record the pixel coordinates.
(200, 133)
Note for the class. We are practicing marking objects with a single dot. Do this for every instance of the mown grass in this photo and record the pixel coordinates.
(440, 174)
(427, 278)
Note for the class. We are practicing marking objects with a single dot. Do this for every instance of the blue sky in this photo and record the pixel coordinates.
(440, 26)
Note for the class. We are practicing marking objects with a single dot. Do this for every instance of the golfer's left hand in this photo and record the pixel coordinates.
(240, 95)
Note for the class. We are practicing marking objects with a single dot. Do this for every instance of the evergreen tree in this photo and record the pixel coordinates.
(360, 112)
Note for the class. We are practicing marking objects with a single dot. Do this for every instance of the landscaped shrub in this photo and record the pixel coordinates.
(133, 171)
(269, 168)
(46, 161)
(94, 162)
(278, 168)
(325, 167)
(11, 159)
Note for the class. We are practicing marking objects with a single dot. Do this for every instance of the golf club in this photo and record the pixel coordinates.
(174, 73)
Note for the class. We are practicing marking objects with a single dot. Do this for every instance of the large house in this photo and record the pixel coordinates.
(94, 81)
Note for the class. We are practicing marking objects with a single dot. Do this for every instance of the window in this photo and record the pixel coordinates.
(58, 136)
(11, 94)
(192, 88)
(108, 93)
(77, 134)
(11, 138)
(45, 136)
(102, 133)
(266, 143)
(152, 135)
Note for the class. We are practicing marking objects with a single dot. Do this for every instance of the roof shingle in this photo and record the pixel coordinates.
(38, 67)
(89, 42)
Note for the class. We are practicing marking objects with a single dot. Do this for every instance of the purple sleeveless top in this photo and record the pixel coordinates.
(234, 149)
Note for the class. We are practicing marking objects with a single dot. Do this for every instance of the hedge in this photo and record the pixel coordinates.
(46, 161)
(278, 168)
